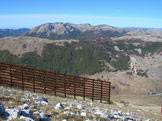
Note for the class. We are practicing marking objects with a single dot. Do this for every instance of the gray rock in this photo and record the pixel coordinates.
(44, 99)
(25, 106)
(59, 106)
(43, 117)
(129, 118)
(83, 114)
(41, 101)
(26, 113)
(5, 115)
(12, 113)
(2, 109)
(25, 118)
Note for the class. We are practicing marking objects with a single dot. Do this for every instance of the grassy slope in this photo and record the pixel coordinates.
(81, 58)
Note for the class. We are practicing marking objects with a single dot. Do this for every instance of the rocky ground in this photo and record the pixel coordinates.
(17, 105)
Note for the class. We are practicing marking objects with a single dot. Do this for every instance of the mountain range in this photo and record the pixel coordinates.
(74, 31)
(85, 32)
(13, 32)
(124, 56)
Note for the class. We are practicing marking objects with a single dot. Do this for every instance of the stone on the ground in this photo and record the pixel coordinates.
(43, 117)
(59, 106)
(26, 113)
(42, 101)
(26, 118)
(83, 114)
(2, 109)
(12, 113)
(79, 106)
(37, 108)
(25, 106)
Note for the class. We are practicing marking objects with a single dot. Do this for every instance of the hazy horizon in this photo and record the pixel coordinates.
(125, 13)
(30, 27)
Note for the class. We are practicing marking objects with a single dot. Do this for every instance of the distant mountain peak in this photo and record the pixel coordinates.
(85, 32)
(60, 30)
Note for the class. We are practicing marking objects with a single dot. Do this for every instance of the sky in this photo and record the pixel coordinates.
(119, 13)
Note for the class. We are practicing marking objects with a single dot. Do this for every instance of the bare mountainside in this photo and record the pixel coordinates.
(133, 67)
(91, 32)
(59, 31)
(21, 45)
(74, 31)
(142, 34)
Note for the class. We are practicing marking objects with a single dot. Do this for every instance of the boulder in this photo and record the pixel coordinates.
(79, 106)
(26, 118)
(41, 101)
(64, 120)
(83, 114)
(59, 106)
(5, 115)
(12, 113)
(44, 99)
(26, 113)
(25, 106)
(2, 109)
(43, 117)
(129, 118)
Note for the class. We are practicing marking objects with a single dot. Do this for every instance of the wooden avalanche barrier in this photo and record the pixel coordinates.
(53, 83)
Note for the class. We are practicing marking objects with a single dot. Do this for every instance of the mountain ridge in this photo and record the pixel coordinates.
(60, 30)
(13, 32)
(85, 32)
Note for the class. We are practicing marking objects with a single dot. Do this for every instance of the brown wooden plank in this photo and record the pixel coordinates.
(52, 81)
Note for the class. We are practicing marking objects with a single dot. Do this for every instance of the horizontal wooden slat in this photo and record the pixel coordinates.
(50, 82)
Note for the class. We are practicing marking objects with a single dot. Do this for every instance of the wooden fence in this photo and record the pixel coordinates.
(53, 83)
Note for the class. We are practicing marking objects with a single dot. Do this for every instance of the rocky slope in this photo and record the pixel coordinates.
(74, 31)
(89, 32)
(27, 106)
(59, 31)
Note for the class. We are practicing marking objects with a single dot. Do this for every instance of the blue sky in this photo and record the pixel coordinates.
(120, 13)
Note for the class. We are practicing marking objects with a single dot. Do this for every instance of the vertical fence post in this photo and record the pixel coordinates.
(22, 78)
(84, 89)
(101, 90)
(93, 90)
(65, 85)
(44, 81)
(109, 92)
(75, 87)
(33, 79)
(11, 83)
(78, 83)
(55, 85)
